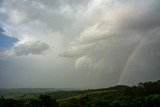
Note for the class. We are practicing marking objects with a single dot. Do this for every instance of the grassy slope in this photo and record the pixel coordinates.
(97, 95)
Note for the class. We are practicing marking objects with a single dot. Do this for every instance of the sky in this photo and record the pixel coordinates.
(5, 41)
(78, 43)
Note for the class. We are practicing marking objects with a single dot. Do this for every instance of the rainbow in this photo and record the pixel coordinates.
(129, 59)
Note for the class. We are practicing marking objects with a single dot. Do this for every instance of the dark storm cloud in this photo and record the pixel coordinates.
(143, 17)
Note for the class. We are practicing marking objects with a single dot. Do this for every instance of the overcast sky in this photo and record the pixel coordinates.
(78, 43)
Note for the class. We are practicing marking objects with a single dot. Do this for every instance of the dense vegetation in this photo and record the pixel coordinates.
(143, 95)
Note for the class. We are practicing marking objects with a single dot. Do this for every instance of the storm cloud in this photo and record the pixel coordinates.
(86, 43)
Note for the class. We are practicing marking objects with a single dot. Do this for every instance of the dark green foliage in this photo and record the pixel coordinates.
(43, 101)
(47, 101)
(11, 103)
(83, 100)
(146, 88)
(143, 95)
(72, 93)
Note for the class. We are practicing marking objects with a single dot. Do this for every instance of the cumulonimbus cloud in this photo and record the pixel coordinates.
(95, 35)
(120, 23)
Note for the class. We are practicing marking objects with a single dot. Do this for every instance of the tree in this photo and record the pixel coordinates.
(47, 101)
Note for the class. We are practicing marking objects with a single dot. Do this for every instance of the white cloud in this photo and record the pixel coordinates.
(17, 17)
(95, 33)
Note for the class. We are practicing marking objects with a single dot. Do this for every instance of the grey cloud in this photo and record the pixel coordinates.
(1, 1)
(146, 63)
(131, 16)
(124, 20)
(97, 36)
(70, 54)
(35, 48)
(76, 50)
(58, 16)
(118, 33)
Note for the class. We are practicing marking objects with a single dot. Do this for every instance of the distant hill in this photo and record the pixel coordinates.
(142, 95)
(17, 92)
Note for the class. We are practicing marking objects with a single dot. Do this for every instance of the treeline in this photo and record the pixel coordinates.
(42, 101)
(144, 89)
(143, 95)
